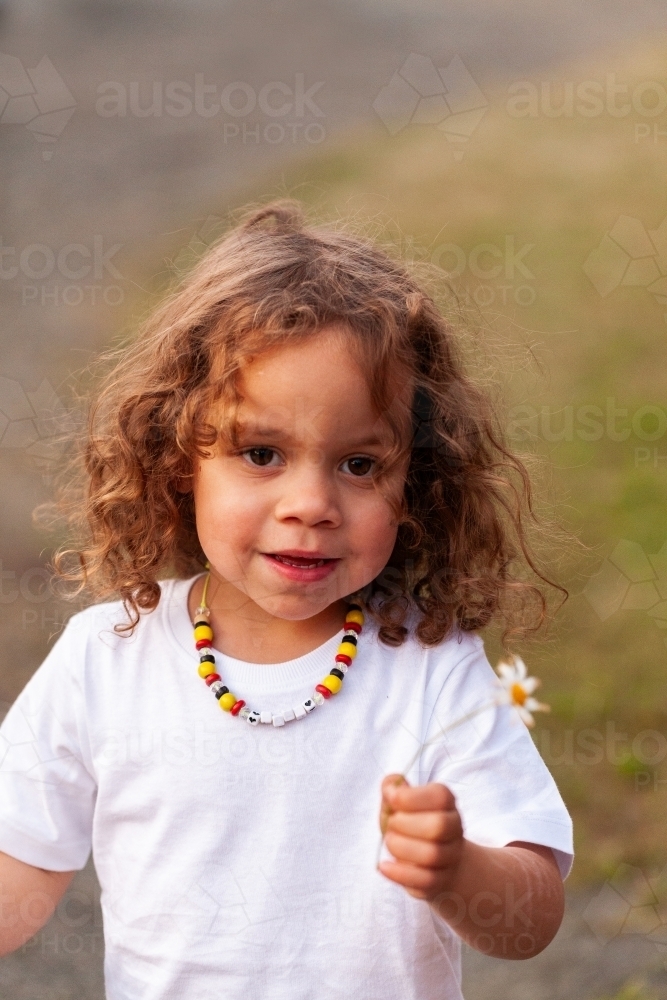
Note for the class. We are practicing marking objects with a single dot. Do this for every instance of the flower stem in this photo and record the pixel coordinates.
(386, 811)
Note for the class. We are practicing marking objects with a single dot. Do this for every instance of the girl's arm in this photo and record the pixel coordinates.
(28, 898)
(505, 901)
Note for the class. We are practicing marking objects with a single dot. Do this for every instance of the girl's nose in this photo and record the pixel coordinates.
(309, 494)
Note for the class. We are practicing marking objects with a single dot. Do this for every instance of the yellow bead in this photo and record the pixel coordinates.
(228, 701)
(205, 669)
(333, 683)
(203, 632)
(355, 616)
(348, 648)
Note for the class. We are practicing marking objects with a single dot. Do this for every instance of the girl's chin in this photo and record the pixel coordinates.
(298, 606)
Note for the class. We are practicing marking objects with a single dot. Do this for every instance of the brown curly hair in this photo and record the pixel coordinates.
(461, 553)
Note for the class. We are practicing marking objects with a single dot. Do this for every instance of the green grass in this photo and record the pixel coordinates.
(632, 991)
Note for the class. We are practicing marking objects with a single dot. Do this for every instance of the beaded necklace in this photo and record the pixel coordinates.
(331, 684)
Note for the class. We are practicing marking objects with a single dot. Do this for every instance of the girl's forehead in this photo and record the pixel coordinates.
(316, 386)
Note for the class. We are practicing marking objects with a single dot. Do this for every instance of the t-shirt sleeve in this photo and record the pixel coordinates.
(503, 789)
(47, 792)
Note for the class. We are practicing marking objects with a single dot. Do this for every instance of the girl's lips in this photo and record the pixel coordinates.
(301, 573)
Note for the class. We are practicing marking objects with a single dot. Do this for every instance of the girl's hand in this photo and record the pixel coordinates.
(424, 833)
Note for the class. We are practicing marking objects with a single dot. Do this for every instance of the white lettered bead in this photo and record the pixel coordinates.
(266, 718)
(253, 718)
(278, 720)
(299, 712)
(288, 714)
(309, 704)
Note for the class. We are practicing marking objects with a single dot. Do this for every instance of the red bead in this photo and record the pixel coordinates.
(343, 658)
(212, 677)
(236, 707)
(201, 643)
(355, 626)
(323, 690)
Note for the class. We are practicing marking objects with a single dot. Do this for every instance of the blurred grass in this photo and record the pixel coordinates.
(557, 184)
(633, 991)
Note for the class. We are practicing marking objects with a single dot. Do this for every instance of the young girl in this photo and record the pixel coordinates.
(292, 458)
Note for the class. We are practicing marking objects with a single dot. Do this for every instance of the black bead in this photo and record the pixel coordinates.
(337, 673)
(200, 621)
(351, 638)
(354, 607)
(223, 690)
(207, 658)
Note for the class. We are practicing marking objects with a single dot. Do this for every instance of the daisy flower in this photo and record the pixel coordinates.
(516, 689)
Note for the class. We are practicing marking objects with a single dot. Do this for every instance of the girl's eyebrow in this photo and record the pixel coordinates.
(251, 428)
(247, 428)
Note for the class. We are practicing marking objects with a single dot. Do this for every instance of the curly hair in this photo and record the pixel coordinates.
(461, 555)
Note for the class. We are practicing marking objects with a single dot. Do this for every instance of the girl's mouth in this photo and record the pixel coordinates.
(302, 568)
(300, 561)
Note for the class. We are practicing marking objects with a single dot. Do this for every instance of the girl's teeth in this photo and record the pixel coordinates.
(300, 565)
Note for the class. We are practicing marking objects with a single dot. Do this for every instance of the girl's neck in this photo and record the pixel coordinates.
(245, 631)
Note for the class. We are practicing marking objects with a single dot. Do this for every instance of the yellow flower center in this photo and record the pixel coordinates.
(518, 694)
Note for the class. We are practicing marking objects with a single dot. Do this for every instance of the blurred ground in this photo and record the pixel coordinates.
(551, 229)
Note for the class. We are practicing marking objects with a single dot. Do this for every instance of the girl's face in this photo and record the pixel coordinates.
(291, 518)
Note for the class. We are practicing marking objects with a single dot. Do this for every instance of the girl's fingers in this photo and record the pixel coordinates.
(436, 826)
(420, 882)
(390, 781)
(425, 853)
(433, 797)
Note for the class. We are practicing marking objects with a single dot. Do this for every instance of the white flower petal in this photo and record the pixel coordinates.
(526, 716)
(506, 671)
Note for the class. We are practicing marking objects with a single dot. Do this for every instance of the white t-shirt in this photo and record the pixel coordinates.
(239, 862)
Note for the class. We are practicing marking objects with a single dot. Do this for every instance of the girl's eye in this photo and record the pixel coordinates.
(359, 466)
(259, 456)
